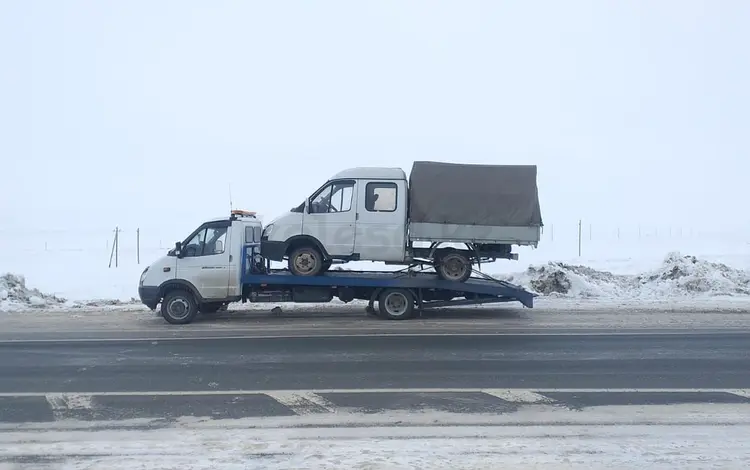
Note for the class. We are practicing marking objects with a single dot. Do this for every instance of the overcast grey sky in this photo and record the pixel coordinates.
(123, 112)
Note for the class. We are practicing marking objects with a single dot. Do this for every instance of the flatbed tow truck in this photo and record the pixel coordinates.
(221, 262)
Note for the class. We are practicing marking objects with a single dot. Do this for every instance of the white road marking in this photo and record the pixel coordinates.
(741, 392)
(302, 403)
(517, 391)
(508, 332)
(61, 402)
(518, 396)
(57, 404)
(78, 401)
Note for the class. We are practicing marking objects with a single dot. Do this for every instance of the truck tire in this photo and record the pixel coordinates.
(396, 304)
(179, 307)
(306, 261)
(453, 266)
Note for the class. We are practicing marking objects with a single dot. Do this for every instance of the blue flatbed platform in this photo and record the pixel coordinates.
(473, 291)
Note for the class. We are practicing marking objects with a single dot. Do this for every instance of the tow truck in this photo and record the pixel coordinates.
(220, 262)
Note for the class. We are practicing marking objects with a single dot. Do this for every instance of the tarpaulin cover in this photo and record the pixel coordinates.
(453, 193)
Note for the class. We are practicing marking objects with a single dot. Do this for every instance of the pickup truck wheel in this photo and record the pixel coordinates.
(454, 266)
(179, 307)
(306, 261)
(396, 304)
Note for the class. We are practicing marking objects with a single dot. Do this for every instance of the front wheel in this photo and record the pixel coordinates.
(453, 266)
(306, 261)
(396, 304)
(179, 307)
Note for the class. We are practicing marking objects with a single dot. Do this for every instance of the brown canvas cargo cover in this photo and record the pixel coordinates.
(454, 193)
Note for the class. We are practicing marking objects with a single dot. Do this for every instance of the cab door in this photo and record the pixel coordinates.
(330, 217)
(205, 260)
(381, 220)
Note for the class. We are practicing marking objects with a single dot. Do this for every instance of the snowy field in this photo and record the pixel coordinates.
(633, 437)
(617, 264)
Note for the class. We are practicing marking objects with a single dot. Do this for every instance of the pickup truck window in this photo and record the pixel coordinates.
(335, 197)
(381, 197)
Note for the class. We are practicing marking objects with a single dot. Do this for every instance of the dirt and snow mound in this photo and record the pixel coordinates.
(678, 276)
(15, 295)
(689, 275)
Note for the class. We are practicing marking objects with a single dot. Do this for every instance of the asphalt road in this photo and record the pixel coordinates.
(679, 360)
(115, 366)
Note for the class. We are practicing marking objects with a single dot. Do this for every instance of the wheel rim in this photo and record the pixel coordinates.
(396, 304)
(453, 267)
(305, 262)
(178, 309)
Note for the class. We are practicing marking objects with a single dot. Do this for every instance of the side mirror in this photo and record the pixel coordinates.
(178, 249)
(219, 247)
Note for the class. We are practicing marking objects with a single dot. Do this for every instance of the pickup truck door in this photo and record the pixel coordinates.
(380, 233)
(330, 217)
(205, 261)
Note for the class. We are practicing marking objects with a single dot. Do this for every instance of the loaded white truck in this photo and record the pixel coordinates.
(375, 214)
(221, 262)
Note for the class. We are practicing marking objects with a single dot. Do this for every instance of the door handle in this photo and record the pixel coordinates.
(356, 216)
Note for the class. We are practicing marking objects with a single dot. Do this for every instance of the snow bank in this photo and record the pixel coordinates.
(677, 276)
(16, 296)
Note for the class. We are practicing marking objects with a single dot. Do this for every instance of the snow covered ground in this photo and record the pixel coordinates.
(617, 266)
(632, 437)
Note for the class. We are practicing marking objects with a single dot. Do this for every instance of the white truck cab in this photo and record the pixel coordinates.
(359, 213)
(207, 264)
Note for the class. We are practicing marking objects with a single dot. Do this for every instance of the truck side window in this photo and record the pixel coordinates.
(210, 241)
(336, 197)
(381, 197)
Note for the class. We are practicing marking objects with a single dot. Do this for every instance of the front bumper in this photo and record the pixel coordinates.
(272, 250)
(149, 296)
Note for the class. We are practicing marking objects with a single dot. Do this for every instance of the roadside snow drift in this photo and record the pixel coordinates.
(14, 294)
(677, 276)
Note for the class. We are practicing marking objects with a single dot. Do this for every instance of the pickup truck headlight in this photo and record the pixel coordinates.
(267, 231)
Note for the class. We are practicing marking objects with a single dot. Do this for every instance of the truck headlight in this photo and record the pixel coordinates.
(267, 231)
(143, 275)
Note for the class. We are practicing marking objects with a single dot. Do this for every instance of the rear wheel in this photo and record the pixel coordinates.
(396, 304)
(453, 266)
(179, 307)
